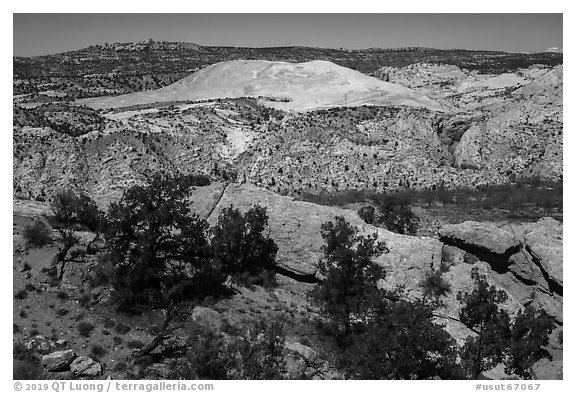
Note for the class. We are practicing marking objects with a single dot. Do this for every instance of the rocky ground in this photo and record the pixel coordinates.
(493, 128)
(525, 260)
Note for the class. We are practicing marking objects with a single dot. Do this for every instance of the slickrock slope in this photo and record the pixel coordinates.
(383, 148)
(286, 86)
(295, 227)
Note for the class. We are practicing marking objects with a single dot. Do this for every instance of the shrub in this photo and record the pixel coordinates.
(21, 294)
(97, 351)
(434, 285)
(518, 344)
(37, 234)
(109, 323)
(85, 299)
(85, 329)
(401, 342)
(72, 208)
(121, 328)
(367, 213)
(26, 370)
(120, 367)
(134, 344)
(256, 353)
(395, 214)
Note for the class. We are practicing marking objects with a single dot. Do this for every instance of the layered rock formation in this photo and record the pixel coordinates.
(502, 253)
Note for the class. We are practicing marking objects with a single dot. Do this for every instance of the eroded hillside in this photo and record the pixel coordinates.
(493, 138)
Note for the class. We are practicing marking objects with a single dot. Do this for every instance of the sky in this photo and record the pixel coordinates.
(38, 34)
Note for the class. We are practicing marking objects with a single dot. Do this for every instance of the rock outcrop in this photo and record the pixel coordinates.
(498, 252)
(58, 361)
(544, 244)
(487, 242)
(525, 259)
(83, 366)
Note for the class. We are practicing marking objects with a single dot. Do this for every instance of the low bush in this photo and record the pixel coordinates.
(97, 351)
(434, 285)
(37, 234)
(21, 294)
(121, 328)
(135, 344)
(85, 328)
(26, 370)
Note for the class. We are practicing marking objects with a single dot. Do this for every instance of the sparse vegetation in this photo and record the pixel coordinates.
(85, 328)
(37, 234)
(21, 294)
(157, 292)
(72, 211)
(134, 344)
(518, 344)
(240, 247)
(380, 335)
(154, 241)
(434, 285)
(97, 351)
(351, 276)
(256, 353)
(121, 328)
(26, 370)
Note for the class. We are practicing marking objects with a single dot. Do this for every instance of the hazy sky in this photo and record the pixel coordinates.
(36, 34)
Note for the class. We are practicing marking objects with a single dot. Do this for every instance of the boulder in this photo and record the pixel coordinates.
(523, 267)
(207, 317)
(58, 361)
(486, 241)
(545, 369)
(83, 366)
(552, 304)
(467, 152)
(452, 255)
(303, 350)
(544, 243)
(498, 373)
(40, 344)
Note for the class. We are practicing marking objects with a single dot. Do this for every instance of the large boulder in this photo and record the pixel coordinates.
(545, 369)
(486, 241)
(83, 366)
(40, 344)
(544, 243)
(207, 318)
(467, 153)
(523, 267)
(58, 361)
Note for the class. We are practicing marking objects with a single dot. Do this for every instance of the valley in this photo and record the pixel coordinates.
(473, 141)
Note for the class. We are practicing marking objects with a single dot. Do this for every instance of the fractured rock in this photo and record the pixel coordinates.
(544, 243)
(83, 366)
(58, 361)
(486, 241)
